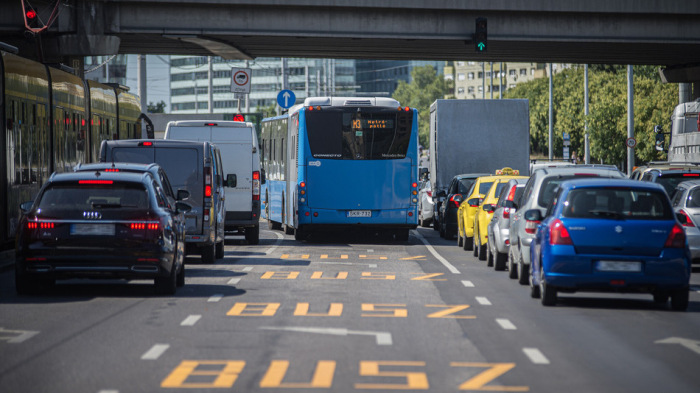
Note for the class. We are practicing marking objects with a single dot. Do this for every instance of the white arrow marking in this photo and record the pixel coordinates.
(286, 98)
(383, 338)
(16, 336)
(693, 345)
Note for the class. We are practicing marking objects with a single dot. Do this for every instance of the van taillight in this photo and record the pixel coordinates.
(207, 182)
(256, 185)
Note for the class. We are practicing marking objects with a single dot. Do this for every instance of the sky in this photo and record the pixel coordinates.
(157, 78)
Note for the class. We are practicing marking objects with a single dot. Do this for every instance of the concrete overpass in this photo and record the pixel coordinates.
(659, 32)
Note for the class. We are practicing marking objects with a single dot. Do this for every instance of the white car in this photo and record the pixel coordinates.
(425, 204)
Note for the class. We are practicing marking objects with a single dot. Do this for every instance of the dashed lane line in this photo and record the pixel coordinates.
(272, 249)
(215, 298)
(234, 281)
(483, 301)
(191, 320)
(155, 352)
(437, 256)
(535, 356)
(505, 324)
(468, 284)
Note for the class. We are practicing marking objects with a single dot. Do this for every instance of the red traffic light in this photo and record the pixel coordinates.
(238, 117)
(31, 14)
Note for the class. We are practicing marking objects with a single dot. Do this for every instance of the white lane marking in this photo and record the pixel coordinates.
(108, 391)
(247, 269)
(693, 345)
(215, 298)
(483, 301)
(370, 251)
(155, 352)
(468, 284)
(535, 356)
(16, 336)
(190, 320)
(272, 249)
(234, 281)
(439, 257)
(383, 338)
(505, 324)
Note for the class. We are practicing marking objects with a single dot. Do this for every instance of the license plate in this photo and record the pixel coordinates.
(92, 229)
(360, 213)
(619, 266)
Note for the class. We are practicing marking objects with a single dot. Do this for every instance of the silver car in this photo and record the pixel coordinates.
(539, 191)
(499, 227)
(686, 201)
(425, 204)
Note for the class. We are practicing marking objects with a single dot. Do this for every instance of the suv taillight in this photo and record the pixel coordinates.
(531, 226)
(506, 212)
(256, 185)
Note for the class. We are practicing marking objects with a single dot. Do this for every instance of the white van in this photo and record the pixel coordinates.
(238, 144)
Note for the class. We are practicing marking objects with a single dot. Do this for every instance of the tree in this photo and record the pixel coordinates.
(426, 87)
(156, 108)
(607, 122)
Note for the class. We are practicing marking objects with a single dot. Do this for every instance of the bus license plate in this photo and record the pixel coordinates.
(359, 213)
(619, 266)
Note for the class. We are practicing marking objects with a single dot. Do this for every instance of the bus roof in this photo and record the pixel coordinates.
(352, 101)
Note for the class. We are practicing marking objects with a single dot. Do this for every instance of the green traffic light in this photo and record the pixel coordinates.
(481, 46)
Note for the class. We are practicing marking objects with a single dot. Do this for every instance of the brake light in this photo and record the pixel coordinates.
(429, 193)
(558, 235)
(453, 201)
(587, 174)
(207, 182)
(511, 193)
(415, 191)
(676, 239)
(111, 170)
(256, 185)
(151, 226)
(95, 182)
(212, 124)
(531, 226)
(688, 221)
(691, 174)
(145, 143)
(40, 225)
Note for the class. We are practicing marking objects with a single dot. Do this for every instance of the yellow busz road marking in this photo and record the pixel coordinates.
(405, 375)
(368, 310)
(417, 257)
(428, 277)
(343, 275)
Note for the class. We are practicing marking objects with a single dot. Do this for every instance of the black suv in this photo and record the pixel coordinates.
(669, 176)
(447, 212)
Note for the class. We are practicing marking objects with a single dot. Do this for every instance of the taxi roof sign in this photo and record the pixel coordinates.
(507, 172)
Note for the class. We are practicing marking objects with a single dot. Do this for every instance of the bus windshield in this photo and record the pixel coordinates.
(359, 133)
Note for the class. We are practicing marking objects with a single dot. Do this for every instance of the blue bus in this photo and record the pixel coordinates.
(338, 163)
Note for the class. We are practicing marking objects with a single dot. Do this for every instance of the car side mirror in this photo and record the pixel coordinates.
(474, 202)
(231, 180)
(182, 207)
(488, 208)
(682, 218)
(533, 215)
(182, 194)
(26, 206)
(509, 204)
(442, 194)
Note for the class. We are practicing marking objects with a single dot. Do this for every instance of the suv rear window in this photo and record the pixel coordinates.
(670, 180)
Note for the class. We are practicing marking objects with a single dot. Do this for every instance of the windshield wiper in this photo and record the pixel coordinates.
(105, 205)
(608, 213)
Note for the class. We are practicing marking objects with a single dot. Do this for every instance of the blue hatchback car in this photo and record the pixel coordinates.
(610, 235)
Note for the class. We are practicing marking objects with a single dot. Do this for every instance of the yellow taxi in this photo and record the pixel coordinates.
(484, 213)
(470, 205)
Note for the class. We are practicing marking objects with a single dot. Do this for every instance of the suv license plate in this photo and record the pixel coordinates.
(92, 229)
(360, 213)
(619, 266)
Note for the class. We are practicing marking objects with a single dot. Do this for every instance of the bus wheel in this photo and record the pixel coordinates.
(299, 234)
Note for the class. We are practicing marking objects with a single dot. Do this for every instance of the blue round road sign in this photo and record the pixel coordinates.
(286, 98)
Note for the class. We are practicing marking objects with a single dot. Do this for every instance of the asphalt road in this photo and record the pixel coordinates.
(342, 313)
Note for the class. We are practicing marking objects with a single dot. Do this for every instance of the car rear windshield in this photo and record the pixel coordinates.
(693, 198)
(181, 164)
(670, 180)
(359, 133)
(617, 203)
(549, 187)
(74, 196)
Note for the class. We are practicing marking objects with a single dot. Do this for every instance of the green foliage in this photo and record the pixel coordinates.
(156, 108)
(426, 87)
(607, 121)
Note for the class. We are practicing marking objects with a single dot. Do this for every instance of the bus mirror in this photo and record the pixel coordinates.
(231, 180)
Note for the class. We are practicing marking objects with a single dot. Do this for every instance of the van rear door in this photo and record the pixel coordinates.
(236, 146)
